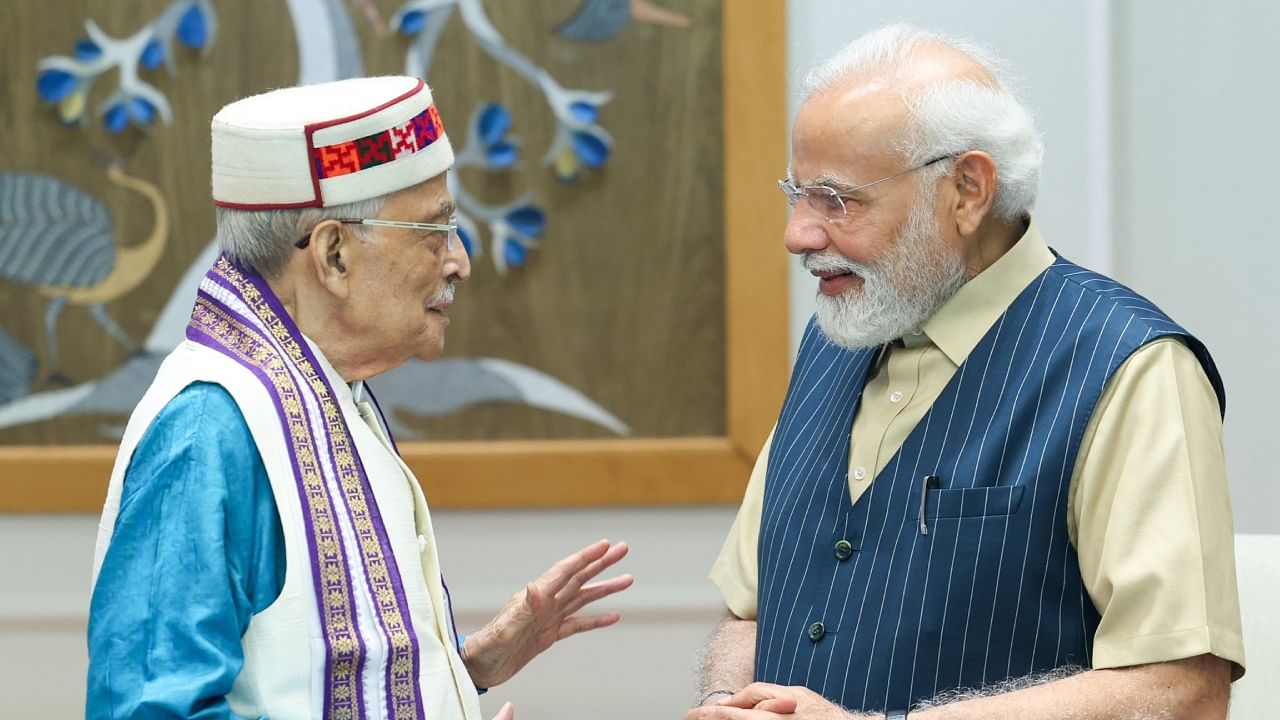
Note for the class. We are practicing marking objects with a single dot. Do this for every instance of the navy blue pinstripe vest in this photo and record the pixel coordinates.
(860, 604)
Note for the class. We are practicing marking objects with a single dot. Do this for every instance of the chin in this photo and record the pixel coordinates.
(430, 351)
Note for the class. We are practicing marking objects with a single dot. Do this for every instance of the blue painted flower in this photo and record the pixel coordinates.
(141, 112)
(87, 50)
(514, 252)
(54, 85)
(193, 28)
(527, 220)
(152, 55)
(591, 148)
(584, 112)
(492, 123)
(116, 118)
(468, 233)
(412, 22)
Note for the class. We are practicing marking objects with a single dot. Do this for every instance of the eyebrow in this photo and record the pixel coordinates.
(444, 210)
(828, 179)
(835, 182)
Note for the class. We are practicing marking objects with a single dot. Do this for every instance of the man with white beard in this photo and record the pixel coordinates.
(996, 488)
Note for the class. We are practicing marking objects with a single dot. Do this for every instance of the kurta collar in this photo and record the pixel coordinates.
(961, 322)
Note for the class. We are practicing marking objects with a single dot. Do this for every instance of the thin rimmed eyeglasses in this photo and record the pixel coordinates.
(451, 227)
(829, 201)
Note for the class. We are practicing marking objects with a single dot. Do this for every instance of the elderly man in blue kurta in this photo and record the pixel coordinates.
(996, 487)
(264, 551)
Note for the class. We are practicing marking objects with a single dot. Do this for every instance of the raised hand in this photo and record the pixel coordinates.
(544, 613)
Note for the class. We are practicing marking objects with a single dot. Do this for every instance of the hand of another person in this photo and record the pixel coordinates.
(762, 701)
(543, 613)
(508, 712)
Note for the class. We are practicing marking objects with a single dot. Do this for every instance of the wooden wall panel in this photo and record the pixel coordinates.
(709, 264)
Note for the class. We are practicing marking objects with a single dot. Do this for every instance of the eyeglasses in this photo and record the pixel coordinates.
(829, 201)
(451, 227)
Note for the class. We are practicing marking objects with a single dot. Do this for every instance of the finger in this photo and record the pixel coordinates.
(781, 706)
(575, 625)
(508, 712)
(722, 712)
(559, 575)
(756, 693)
(591, 570)
(596, 591)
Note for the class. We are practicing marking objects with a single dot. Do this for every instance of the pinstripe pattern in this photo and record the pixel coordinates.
(993, 590)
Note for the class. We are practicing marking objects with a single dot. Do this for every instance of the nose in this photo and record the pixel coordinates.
(806, 231)
(457, 262)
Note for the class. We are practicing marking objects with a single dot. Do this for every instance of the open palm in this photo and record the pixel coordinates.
(544, 613)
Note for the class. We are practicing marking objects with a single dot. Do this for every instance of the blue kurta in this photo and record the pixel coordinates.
(197, 551)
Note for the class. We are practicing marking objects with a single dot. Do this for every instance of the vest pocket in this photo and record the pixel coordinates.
(972, 502)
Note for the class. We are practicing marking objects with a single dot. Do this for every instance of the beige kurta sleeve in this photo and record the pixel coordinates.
(1151, 517)
(736, 570)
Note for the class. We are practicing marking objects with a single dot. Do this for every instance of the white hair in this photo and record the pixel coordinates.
(264, 239)
(949, 117)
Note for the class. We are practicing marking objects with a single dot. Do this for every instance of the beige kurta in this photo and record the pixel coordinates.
(1148, 511)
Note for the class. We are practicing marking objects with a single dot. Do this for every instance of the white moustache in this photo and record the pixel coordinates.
(825, 263)
(444, 296)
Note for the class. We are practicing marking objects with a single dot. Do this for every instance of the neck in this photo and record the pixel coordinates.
(317, 315)
(993, 239)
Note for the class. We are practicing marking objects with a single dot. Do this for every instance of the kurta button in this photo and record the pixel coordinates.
(859, 473)
(844, 550)
(816, 631)
(895, 397)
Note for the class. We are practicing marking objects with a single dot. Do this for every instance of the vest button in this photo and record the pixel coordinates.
(844, 550)
(816, 631)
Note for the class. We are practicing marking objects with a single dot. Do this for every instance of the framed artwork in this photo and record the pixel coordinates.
(623, 337)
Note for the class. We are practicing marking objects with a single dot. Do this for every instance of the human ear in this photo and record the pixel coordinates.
(974, 177)
(327, 256)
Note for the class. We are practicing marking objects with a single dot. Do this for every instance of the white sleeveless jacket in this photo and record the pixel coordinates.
(283, 678)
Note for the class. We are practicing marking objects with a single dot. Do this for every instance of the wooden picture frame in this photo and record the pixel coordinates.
(587, 473)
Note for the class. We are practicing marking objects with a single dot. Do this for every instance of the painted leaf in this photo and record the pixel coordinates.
(17, 369)
(52, 233)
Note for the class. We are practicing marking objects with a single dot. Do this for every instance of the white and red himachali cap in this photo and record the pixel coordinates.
(327, 144)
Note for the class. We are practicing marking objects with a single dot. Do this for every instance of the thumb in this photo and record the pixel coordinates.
(508, 712)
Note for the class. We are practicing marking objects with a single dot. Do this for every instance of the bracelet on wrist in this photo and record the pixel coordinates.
(713, 693)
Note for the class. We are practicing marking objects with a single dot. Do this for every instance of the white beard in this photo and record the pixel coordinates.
(899, 292)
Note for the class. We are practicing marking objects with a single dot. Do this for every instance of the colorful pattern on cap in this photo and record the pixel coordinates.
(392, 144)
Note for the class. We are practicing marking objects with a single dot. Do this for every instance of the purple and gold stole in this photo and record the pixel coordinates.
(358, 590)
